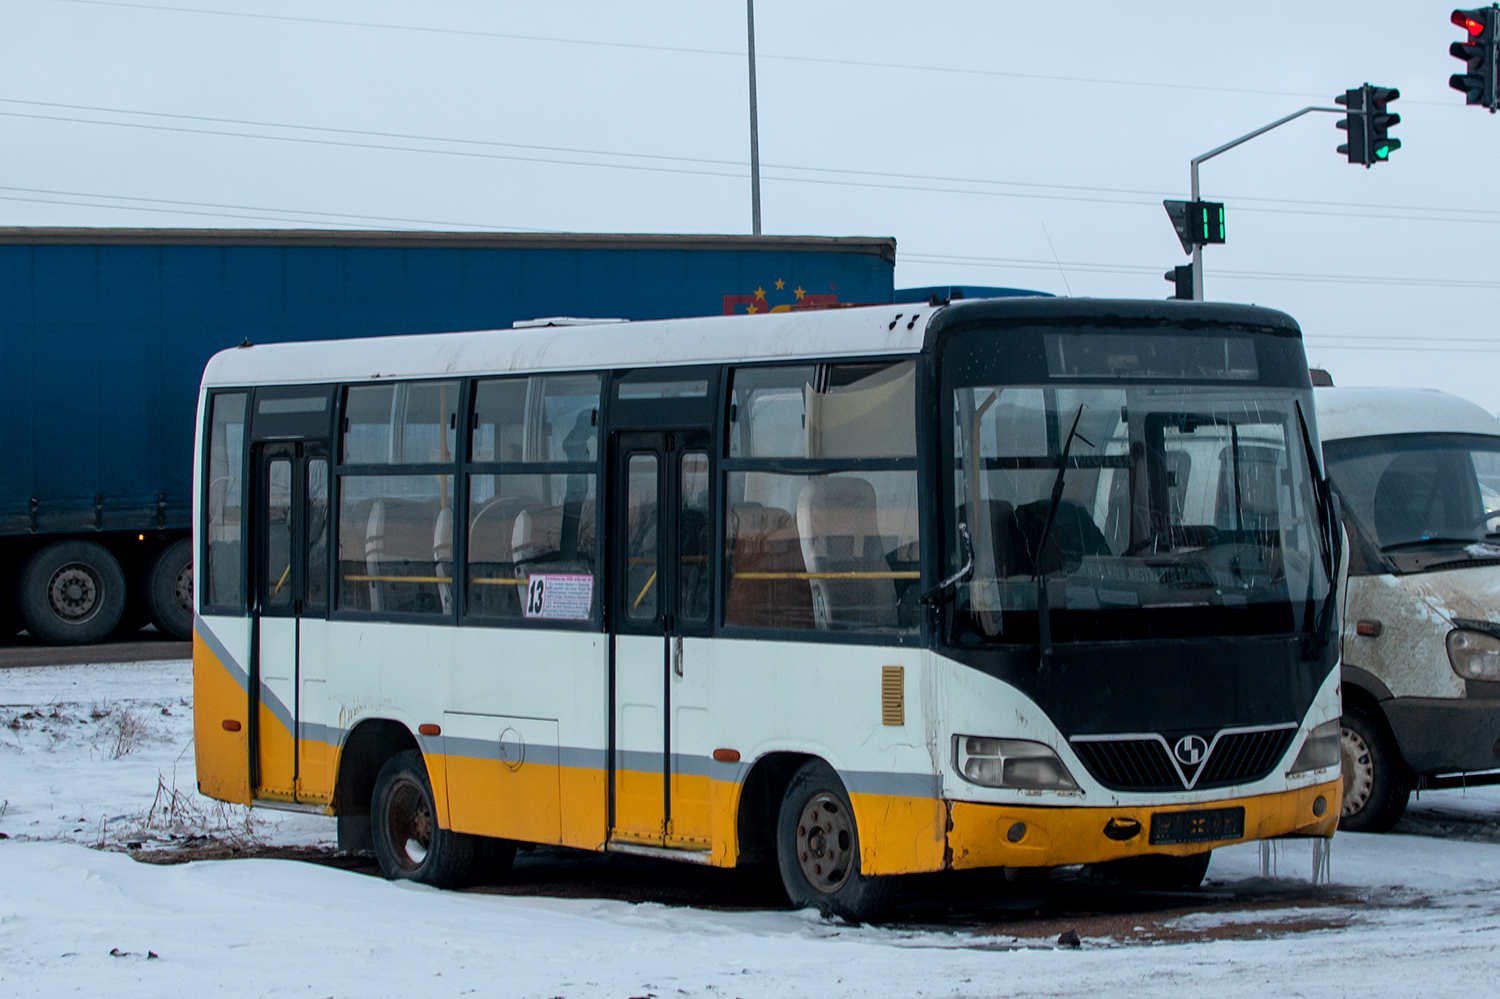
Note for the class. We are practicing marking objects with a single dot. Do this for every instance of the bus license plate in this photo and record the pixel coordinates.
(1202, 826)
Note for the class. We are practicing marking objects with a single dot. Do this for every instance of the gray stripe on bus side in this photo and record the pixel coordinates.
(235, 670)
(315, 732)
(900, 785)
(278, 710)
(267, 697)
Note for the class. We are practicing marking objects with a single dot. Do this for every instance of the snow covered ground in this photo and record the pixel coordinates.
(84, 751)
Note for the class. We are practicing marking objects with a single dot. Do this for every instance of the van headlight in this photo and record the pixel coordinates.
(1321, 749)
(1015, 763)
(1474, 654)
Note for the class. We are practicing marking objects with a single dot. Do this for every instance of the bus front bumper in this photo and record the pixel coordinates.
(982, 835)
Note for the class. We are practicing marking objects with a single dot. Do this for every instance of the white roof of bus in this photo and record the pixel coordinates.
(1373, 412)
(710, 340)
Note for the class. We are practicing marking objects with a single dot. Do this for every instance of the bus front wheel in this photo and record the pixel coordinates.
(409, 843)
(817, 848)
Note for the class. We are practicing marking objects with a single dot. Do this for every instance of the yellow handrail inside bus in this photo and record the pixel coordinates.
(644, 590)
(398, 579)
(828, 575)
(282, 581)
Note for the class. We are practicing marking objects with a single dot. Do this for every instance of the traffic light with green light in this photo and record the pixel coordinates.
(1480, 51)
(1368, 123)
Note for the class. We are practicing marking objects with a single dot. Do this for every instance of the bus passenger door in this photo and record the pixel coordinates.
(291, 582)
(659, 528)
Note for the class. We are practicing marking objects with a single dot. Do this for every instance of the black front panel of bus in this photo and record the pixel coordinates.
(1163, 685)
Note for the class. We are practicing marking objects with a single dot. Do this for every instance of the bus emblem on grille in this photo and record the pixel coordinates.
(1190, 750)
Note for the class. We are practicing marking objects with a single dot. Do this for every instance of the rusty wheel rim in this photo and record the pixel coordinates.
(408, 823)
(1359, 771)
(825, 842)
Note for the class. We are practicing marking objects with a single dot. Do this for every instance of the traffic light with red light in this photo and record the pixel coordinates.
(1368, 123)
(1480, 51)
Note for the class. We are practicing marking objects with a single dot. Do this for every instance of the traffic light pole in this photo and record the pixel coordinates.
(1197, 247)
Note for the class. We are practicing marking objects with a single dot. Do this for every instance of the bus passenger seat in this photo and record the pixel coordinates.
(763, 539)
(538, 536)
(840, 533)
(442, 556)
(375, 550)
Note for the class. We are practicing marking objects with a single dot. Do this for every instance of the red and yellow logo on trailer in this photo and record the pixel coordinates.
(779, 299)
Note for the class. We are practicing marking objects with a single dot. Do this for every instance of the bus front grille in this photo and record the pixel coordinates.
(1130, 764)
(1144, 762)
(1243, 757)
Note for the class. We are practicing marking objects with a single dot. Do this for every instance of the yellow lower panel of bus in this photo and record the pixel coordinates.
(899, 834)
(533, 803)
(276, 763)
(640, 807)
(315, 771)
(692, 812)
(222, 756)
(1054, 836)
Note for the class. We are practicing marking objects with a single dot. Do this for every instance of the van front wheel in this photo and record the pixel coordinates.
(1376, 784)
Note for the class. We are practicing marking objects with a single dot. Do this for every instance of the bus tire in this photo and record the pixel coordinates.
(72, 593)
(409, 843)
(1153, 872)
(1376, 783)
(817, 848)
(169, 590)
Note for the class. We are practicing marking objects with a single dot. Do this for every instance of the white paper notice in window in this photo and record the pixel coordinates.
(560, 596)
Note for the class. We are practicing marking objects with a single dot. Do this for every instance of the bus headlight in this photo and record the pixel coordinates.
(1320, 750)
(1015, 763)
(1474, 655)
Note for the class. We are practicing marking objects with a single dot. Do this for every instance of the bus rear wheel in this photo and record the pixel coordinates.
(817, 848)
(409, 843)
(72, 593)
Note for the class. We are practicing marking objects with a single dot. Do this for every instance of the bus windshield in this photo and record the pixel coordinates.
(1184, 510)
(1424, 500)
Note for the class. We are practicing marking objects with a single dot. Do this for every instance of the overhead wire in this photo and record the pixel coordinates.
(1410, 213)
(695, 50)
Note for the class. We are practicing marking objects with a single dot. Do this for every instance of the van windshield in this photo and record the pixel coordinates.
(1423, 500)
(1185, 510)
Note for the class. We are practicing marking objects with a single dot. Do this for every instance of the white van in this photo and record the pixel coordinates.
(1418, 475)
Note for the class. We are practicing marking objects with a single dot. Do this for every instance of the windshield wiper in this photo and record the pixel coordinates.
(1044, 612)
(1423, 542)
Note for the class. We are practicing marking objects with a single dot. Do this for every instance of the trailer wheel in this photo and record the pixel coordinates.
(169, 590)
(1376, 784)
(72, 593)
(409, 843)
(817, 848)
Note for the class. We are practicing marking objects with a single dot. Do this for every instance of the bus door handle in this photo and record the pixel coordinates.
(677, 655)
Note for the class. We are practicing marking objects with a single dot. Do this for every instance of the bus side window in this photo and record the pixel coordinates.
(532, 492)
(223, 565)
(835, 549)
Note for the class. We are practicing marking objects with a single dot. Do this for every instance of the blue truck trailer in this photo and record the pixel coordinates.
(104, 334)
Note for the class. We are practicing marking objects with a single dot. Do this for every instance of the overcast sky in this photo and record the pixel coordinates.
(1016, 144)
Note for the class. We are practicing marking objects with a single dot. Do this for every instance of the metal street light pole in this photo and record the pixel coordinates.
(754, 129)
(1198, 249)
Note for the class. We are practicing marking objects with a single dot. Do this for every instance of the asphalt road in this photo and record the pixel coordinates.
(148, 643)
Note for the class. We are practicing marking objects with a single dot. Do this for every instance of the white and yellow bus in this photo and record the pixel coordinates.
(862, 592)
